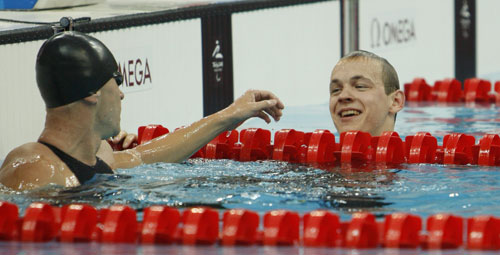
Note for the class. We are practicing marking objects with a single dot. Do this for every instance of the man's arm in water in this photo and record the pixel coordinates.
(181, 144)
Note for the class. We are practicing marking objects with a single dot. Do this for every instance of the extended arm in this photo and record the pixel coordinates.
(181, 144)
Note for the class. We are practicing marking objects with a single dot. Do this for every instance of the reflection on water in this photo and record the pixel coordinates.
(222, 184)
(132, 249)
(266, 185)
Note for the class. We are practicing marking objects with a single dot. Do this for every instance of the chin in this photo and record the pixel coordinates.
(114, 132)
(345, 129)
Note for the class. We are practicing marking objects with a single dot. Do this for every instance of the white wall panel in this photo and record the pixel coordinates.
(22, 111)
(487, 39)
(173, 95)
(416, 37)
(290, 51)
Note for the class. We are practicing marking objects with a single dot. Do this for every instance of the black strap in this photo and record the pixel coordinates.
(82, 171)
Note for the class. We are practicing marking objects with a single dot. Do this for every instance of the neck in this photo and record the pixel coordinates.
(388, 125)
(72, 133)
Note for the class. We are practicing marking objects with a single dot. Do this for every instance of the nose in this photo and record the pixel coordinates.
(345, 95)
(121, 95)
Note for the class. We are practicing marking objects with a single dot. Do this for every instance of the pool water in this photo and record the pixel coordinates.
(421, 189)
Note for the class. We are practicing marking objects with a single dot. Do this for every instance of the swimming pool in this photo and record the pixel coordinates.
(420, 189)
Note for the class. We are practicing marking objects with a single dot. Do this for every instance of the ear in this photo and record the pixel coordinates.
(93, 99)
(397, 101)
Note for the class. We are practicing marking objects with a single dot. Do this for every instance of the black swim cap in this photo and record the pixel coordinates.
(71, 66)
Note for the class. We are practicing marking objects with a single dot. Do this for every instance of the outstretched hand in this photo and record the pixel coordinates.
(256, 103)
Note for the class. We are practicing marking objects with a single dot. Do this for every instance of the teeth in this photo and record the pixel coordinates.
(348, 113)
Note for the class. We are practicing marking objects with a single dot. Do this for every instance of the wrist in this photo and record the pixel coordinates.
(227, 118)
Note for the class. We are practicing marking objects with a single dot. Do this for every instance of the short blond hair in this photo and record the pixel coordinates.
(389, 75)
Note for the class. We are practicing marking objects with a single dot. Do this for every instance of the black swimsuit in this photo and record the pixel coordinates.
(82, 171)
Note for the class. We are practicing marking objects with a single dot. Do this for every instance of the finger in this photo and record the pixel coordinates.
(129, 139)
(275, 112)
(264, 104)
(261, 95)
(119, 137)
(271, 108)
(264, 116)
(280, 104)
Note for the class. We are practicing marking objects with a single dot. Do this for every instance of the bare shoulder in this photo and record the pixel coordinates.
(34, 165)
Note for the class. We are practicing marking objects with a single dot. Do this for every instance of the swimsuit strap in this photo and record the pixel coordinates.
(82, 171)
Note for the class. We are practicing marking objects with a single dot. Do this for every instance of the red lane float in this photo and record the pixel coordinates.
(418, 91)
(287, 145)
(240, 227)
(489, 150)
(355, 147)
(449, 91)
(149, 132)
(281, 227)
(222, 146)
(445, 231)
(256, 144)
(200, 226)
(402, 230)
(321, 228)
(422, 148)
(39, 223)
(362, 231)
(457, 149)
(321, 147)
(477, 90)
(483, 233)
(159, 225)
(78, 223)
(390, 148)
(9, 216)
(120, 225)
(497, 90)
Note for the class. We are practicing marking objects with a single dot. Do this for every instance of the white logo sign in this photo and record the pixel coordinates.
(388, 31)
(465, 17)
(136, 74)
(217, 62)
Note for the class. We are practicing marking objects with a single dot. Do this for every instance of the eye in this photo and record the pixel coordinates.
(335, 90)
(361, 86)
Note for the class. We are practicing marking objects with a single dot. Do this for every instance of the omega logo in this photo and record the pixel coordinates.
(135, 72)
(389, 33)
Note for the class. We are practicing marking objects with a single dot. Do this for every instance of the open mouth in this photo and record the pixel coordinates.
(349, 113)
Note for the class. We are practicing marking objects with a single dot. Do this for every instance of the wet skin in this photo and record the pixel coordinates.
(358, 100)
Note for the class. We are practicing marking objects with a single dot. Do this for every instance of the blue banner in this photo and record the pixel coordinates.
(17, 4)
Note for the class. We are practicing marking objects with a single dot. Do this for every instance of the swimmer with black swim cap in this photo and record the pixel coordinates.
(71, 66)
(77, 77)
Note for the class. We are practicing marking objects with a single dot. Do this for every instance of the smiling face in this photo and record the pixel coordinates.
(357, 97)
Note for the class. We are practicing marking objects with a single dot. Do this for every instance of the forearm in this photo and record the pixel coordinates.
(182, 143)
